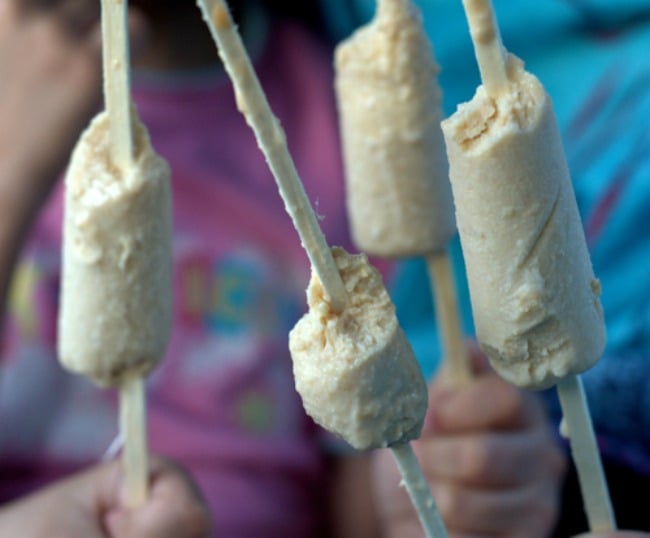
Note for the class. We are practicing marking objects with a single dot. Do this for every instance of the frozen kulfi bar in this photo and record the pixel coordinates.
(534, 296)
(115, 313)
(354, 370)
(398, 194)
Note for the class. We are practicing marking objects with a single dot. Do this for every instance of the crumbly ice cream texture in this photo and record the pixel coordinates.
(115, 313)
(398, 194)
(535, 300)
(355, 370)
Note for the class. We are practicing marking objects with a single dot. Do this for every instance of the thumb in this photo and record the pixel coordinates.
(173, 509)
(159, 520)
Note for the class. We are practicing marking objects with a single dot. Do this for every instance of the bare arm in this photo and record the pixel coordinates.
(90, 504)
(49, 86)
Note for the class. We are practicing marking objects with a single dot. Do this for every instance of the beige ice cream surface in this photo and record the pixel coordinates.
(398, 193)
(115, 311)
(534, 296)
(355, 371)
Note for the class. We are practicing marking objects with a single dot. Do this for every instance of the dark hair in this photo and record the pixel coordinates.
(306, 11)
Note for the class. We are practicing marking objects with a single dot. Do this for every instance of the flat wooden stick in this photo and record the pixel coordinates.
(584, 451)
(457, 367)
(117, 92)
(419, 491)
(133, 420)
(489, 50)
(117, 95)
(253, 104)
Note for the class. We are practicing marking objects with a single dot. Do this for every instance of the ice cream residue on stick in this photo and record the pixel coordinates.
(253, 104)
(115, 314)
(534, 296)
(337, 299)
(399, 198)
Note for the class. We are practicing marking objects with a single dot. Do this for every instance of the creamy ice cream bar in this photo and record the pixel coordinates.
(115, 313)
(355, 371)
(534, 296)
(398, 194)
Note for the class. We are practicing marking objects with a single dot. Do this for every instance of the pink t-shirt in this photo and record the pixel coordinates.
(223, 401)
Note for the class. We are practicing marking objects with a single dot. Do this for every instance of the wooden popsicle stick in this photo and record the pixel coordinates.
(133, 420)
(489, 50)
(253, 104)
(586, 457)
(457, 367)
(419, 492)
(117, 93)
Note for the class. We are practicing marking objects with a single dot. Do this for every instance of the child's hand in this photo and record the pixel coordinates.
(175, 509)
(50, 84)
(90, 505)
(489, 456)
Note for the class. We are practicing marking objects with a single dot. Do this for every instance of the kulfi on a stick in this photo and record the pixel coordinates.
(341, 288)
(355, 370)
(115, 312)
(535, 298)
(398, 194)
(116, 304)
(399, 199)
